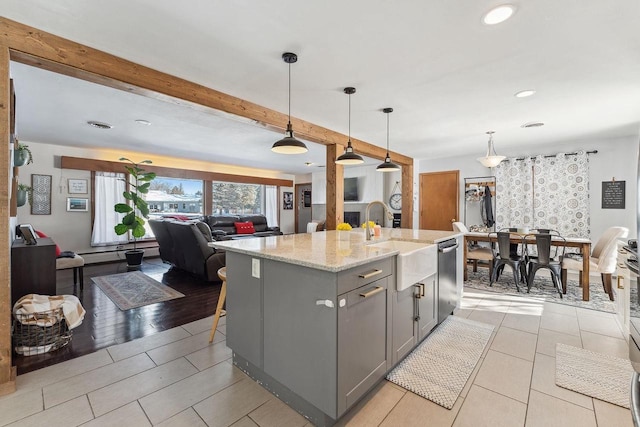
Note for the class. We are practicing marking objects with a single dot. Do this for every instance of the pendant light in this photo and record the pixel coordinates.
(349, 157)
(491, 160)
(388, 165)
(289, 144)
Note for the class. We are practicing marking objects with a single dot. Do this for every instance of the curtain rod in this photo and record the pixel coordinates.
(553, 155)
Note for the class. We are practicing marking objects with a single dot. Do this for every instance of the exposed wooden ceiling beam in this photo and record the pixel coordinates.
(38, 48)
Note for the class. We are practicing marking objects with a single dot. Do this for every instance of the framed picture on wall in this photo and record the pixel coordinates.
(41, 204)
(75, 204)
(77, 186)
(287, 200)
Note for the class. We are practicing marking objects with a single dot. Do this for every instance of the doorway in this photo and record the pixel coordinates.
(303, 207)
(439, 200)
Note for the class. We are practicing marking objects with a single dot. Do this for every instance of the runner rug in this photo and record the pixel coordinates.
(439, 368)
(134, 289)
(596, 375)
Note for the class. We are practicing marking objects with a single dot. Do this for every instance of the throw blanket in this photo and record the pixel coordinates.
(29, 305)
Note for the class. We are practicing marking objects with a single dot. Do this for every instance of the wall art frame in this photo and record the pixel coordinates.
(41, 203)
(77, 204)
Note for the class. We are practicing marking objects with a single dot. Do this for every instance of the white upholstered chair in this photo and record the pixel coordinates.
(475, 253)
(602, 260)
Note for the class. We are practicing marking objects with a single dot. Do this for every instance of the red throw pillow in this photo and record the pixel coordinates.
(244, 227)
(41, 234)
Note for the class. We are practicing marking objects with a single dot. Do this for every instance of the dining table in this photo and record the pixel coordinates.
(582, 244)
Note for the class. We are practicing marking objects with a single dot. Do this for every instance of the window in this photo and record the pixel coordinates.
(175, 196)
(237, 199)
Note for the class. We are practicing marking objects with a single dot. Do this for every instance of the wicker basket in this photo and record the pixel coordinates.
(41, 332)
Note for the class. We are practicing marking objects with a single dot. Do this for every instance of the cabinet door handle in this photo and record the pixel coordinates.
(372, 292)
(369, 274)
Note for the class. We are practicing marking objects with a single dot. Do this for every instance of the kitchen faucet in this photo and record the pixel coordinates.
(386, 208)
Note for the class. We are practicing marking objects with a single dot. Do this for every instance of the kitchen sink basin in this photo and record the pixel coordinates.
(414, 262)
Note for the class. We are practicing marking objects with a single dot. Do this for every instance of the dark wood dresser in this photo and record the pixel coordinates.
(33, 268)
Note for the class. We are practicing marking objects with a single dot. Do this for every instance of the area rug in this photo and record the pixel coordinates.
(134, 289)
(597, 375)
(439, 368)
(543, 289)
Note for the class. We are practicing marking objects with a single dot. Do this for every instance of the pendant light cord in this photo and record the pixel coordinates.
(387, 134)
(289, 92)
(349, 118)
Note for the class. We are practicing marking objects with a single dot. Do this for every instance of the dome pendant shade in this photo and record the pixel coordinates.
(388, 165)
(491, 159)
(289, 144)
(349, 157)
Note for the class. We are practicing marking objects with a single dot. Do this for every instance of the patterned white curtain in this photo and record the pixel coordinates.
(561, 194)
(514, 201)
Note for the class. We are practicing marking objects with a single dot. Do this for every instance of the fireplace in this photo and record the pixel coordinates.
(352, 218)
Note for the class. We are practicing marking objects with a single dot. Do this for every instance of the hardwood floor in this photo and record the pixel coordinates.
(105, 324)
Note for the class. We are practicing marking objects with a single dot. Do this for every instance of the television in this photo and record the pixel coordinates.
(351, 190)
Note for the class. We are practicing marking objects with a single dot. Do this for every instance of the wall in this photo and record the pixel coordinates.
(615, 158)
(72, 230)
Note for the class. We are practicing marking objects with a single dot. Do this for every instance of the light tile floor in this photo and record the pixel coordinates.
(175, 378)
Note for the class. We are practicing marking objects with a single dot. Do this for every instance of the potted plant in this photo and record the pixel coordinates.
(22, 155)
(25, 193)
(137, 211)
(344, 230)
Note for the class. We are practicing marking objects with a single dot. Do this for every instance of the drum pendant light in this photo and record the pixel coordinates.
(388, 165)
(289, 144)
(349, 157)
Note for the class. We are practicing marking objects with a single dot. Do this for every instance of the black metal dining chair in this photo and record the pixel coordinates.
(507, 254)
(543, 257)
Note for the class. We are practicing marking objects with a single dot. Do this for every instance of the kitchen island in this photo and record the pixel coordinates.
(318, 320)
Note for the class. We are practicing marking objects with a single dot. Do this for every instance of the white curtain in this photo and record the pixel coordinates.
(514, 201)
(271, 205)
(545, 192)
(561, 194)
(108, 191)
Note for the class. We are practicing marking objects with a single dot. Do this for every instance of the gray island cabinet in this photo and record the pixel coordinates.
(318, 322)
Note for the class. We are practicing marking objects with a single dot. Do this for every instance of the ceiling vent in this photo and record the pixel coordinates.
(99, 125)
(532, 125)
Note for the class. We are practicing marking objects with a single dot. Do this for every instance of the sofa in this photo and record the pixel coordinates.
(184, 245)
(227, 227)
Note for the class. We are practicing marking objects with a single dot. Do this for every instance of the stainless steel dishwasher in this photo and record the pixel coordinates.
(447, 292)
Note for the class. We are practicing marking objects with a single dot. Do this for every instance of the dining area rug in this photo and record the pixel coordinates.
(134, 289)
(441, 365)
(543, 288)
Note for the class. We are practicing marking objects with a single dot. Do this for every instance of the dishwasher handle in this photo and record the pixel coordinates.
(448, 249)
(635, 399)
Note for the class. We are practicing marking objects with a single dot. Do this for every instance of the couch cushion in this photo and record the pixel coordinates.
(245, 227)
(259, 221)
(223, 223)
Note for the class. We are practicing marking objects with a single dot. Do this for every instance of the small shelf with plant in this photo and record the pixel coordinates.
(22, 155)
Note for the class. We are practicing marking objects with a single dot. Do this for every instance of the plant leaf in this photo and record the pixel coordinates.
(138, 231)
(120, 229)
(122, 208)
(129, 219)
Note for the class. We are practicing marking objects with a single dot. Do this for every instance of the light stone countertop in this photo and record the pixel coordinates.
(325, 251)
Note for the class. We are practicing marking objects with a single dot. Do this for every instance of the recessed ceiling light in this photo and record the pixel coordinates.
(143, 122)
(99, 125)
(525, 93)
(532, 125)
(498, 14)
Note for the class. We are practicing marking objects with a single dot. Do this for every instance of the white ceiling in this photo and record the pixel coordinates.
(448, 77)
